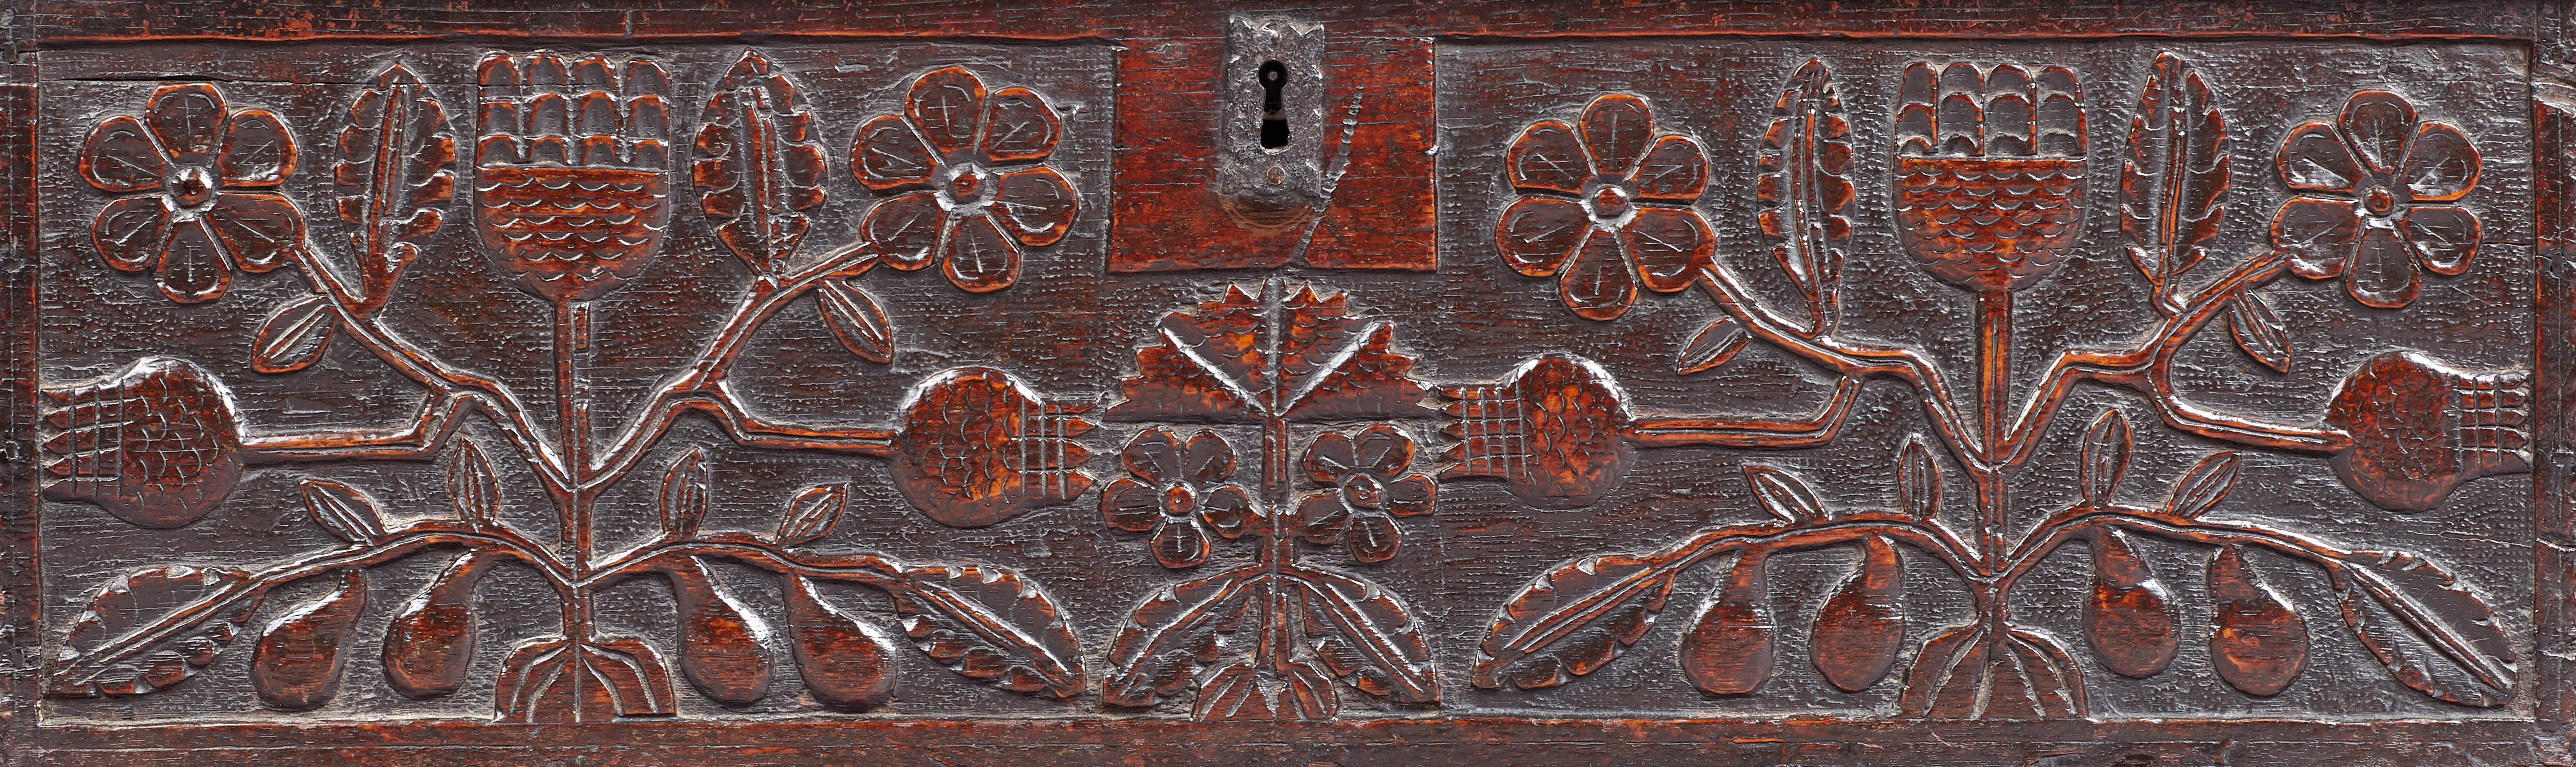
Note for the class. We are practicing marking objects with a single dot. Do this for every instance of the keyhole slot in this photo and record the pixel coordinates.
(1274, 119)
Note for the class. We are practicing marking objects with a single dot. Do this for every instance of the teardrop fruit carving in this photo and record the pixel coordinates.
(845, 666)
(2257, 642)
(297, 665)
(2129, 618)
(430, 645)
(1861, 629)
(1728, 649)
(723, 650)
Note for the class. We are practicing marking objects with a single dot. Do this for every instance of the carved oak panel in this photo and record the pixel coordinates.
(1329, 385)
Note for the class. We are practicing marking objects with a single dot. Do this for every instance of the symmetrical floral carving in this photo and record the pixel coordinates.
(967, 169)
(200, 178)
(2374, 192)
(1606, 208)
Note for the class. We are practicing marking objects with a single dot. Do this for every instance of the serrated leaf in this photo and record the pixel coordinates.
(1803, 190)
(2427, 627)
(1783, 494)
(991, 623)
(1571, 620)
(150, 629)
(1712, 346)
(759, 165)
(811, 513)
(2174, 171)
(294, 337)
(1367, 636)
(2204, 486)
(2105, 458)
(1918, 480)
(393, 172)
(343, 510)
(1215, 362)
(471, 489)
(857, 320)
(683, 500)
(1174, 631)
(2259, 332)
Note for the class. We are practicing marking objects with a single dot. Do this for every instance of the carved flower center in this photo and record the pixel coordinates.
(1362, 491)
(1610, 201)
(1179, 501)
(192, 187)
(2378, 201)
(968, 185)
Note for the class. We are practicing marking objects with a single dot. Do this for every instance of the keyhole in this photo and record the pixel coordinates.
(1274, 120)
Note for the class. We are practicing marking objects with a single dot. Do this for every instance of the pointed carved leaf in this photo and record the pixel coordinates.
(1803, 190)
(1215, 362)
(430, 644)
(2428, 628)
(759, 163)
(2257, 642)
(471, 488)
(846, 665)
(683, 500)
(150, 629)
(1368, 637)
(343, 510)
(1861, 629)
(857, 320)
(1934, 683)
(394, 173)
(812, 513)
(1174, 631)
(1728, 650)
(2052, 685)
(991, 623)
(2174, 171)
(1918, 480)
(724, 649)
(1711, 347)
(294, 337)
(296, 665)
(1572, 619)
(2129, 617)
(2205, 485)
(2106, 457)
(1783, 494)
(2259, 332)
(554, 679)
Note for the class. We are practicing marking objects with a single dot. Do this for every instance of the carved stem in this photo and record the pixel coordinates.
(1709, 431)
(1906, 365)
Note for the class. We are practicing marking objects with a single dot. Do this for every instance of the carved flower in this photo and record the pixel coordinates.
(974, 191)
(1606, 208)
(1178, 493)
(184, 164)
(156, 444)
(2364, 216)
(1367, 484)
(572, 193)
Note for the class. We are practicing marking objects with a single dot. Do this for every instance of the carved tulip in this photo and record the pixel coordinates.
(572, 193)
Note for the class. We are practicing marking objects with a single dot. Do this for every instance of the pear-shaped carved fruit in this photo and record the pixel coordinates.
(2256, 642)
(297, 665)
(845, 666)
(430, 645)
(2129, 618)
(1862, 628)
(1728, 649)
(723, 649)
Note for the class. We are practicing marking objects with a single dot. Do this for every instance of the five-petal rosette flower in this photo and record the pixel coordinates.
(968, 171)
(1178, 492)
(1606, 207)
(185, 167)
(1366, 486)
(2374, 199)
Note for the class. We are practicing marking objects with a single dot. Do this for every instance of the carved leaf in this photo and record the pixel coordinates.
(724, 649)
(1711, 347)
(2035, 678)
(394, 175)
(760, 162)
(2428, 628)
(2174, 171)
(857, 320)
(430, 644)
(1572, 619)
(1728, 650)
(812, 513)
(1173, 632)
(991, 623)
(1962, 673)
(683, 500)
(2106, 457)
(296, 665)
(2259, 332)
(1918, 480)
(1242, 692)
(846, 665)
(1803, 191)
(294, 337)
(1783, 494)
(1861, 629)
(471, 488)
(554, 679)
(2205, 485)
(2129, 618)
(1367, 636)
(343, 510)
(1215, 364)
(2257, 642)
(150, 629)
(1935, 682)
